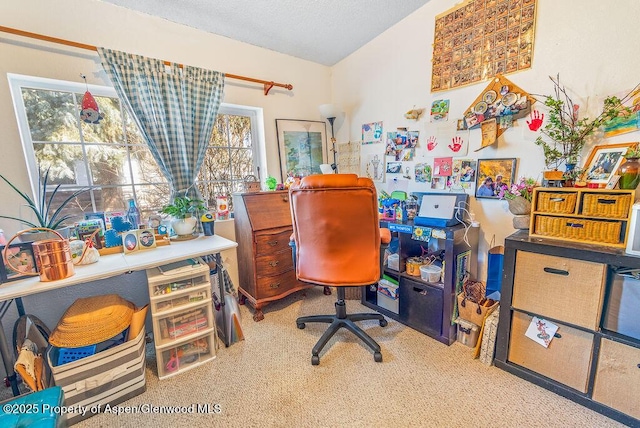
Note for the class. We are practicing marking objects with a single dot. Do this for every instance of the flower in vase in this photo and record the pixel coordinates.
(523, 187)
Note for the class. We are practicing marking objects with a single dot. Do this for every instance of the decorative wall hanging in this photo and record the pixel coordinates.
(372, 133)
(442, 167)
(423, 173)
(89, 111)
(348, 157)
(302, 146)
(414, 114)
(375, 168)
(501, 98)
(480, 39)
(440, 110)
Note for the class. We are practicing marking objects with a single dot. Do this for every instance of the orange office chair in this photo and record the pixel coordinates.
(337, 242)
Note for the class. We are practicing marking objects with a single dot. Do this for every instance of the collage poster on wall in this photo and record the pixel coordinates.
(481, 38)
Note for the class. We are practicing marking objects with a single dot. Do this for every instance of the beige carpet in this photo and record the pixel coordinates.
(267, 380)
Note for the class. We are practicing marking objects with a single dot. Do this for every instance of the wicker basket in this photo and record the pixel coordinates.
(556, 202)
(606, 205)
(597, 231)
(251, 184)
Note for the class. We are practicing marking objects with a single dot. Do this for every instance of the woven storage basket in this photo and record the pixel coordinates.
(92, 320)
(556, 202)
(599, 205)
(579, 229)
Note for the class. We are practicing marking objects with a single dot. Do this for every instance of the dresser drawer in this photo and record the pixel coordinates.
(556, 202)
(274, 264)
(276, 241)
(605, 205)
(561, 288)
(567, 359)
(269, 286)
(617, 382)
(268, 209)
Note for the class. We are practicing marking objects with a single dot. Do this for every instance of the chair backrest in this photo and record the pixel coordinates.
(336, 230)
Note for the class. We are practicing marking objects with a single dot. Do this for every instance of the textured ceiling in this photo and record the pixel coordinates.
(322, 31)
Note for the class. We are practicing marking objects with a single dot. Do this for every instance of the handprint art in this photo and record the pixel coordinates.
(431, 143)
(536, 120)
(457, 144)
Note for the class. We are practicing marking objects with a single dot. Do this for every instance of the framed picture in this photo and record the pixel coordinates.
(302, 146)
(20, 262)
(604, 161)
(494, 174)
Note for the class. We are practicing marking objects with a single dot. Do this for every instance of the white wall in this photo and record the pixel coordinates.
(590, 43)
(103, 24)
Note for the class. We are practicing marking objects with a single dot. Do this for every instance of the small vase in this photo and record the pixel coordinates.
(629, 174)
(519, 205)
(521, 221)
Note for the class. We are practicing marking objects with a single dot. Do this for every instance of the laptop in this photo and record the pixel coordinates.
(439, 209)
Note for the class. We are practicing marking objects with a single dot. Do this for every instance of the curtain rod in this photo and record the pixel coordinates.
(267, 84)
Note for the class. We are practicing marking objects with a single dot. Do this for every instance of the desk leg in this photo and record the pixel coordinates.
(220, 274)
(7, 359)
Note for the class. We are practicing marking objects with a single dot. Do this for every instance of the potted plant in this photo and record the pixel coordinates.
(564, 135)
(182, 209)
(45, 215)
(519, 196)
(572, 175)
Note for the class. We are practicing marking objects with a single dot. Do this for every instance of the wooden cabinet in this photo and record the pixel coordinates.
(596, 216)
(572, 285)
(263, 228)
(429, 307)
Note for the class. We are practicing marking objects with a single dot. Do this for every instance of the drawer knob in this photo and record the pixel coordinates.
(274, 285)
(274, 263)
(273, 243)
(285, 198)
(556, 271)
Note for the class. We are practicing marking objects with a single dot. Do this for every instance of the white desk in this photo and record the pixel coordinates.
(108, 267)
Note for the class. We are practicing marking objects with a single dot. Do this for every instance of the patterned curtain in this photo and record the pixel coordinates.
(175, 109)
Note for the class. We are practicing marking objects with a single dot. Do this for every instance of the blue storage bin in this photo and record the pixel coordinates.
(66, 355)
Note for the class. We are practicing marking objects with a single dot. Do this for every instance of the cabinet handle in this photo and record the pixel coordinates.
(273, 243)
(274, 285)
(556, 271)
(557, 335)
(274, 263)
(607, 201)
(580, 225)
(285, 198)
(556, 199)
(420, 290)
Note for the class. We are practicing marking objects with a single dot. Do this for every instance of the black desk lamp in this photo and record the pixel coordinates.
(331, 112)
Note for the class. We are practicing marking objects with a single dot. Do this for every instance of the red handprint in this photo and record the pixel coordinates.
(536, 120)
(431, 143)
(457, 144)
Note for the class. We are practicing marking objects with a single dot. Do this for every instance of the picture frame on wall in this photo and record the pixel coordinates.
(603, 162)
(494, 174)
(21, 262)
(302, 146)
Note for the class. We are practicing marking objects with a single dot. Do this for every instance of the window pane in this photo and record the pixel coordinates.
(109, 129)
(151, 198)
(144, 166)
(239, 131)
(65, 163)
(242, 163)
(51, 115)
(131, 129)
(216, 165)
(108, 164)
(76, 207)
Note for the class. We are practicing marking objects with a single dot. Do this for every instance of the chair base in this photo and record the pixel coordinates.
(342, 320)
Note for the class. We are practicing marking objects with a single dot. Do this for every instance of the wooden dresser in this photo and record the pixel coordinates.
(263, 228)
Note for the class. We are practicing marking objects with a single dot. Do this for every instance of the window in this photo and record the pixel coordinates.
(110, 158)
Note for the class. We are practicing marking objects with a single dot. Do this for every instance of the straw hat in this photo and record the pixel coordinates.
(92, 320)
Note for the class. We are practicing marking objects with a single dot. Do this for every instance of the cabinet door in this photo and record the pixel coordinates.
(421, 305)
(566, 360)
(561, 288)
(617, 382)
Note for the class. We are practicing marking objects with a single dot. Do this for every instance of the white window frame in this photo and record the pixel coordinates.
(17, 82)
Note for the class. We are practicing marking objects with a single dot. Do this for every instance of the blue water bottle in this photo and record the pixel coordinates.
(133, 214)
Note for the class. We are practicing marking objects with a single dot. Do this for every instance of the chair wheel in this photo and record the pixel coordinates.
(383, 323)
(301, 325)
(377, 357)
(315, 360)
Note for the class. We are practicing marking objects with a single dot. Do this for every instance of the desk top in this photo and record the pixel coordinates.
(117, 264)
